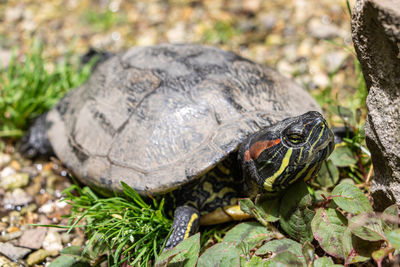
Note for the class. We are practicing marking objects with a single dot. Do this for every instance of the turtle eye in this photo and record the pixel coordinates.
(295, 138)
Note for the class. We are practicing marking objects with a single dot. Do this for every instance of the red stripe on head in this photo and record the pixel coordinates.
(258, 147)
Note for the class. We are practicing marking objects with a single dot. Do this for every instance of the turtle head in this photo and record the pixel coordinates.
(292, 149)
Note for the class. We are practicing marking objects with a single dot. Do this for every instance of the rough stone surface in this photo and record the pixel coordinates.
(39, 256)
(4, 262)
(52, 241)
(376, 36)
(13, 252)
(33, 238)
(17, 197)
(15, 181)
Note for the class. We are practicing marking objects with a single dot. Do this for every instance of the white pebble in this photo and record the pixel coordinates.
(7, 171)
(52, 241)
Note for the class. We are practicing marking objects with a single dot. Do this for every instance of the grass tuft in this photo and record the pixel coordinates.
(129, 229)
(29, 86)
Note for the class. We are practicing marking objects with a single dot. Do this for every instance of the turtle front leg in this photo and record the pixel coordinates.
(186, 223)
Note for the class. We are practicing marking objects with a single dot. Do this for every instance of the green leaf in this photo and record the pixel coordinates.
(380, 254)
(281, 246)
(69, 261)
(328, 227)
(394, 238)
(264, 211)
(356, 249)
(269, 208)
(296, 212)
(342, 157)
(246, 205)
(325, 262)
(328, 175)
(367, 226)
(308, 252)
(390, 218)
(247, 235)
(318, 195)
(221, 254)
(185, 253)
(256, 262)
(288, 259)
(351, 199)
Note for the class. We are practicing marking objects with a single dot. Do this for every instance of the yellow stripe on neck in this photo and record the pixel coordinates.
(189, 226)
(285, 162)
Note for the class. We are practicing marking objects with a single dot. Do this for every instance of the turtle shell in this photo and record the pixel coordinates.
(157, 117)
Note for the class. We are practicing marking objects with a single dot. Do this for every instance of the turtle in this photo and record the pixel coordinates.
(199, 124)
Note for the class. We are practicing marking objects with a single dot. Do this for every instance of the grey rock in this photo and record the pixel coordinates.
(33, 238)
(13, 252)
(15, 181)
(267, 21)
(334, 60)
(4, 262)
(52, 241)
(319, 29)
(39, 256)
(4, 158)
(376, 36)
(7, 171)
(17, 197)
(10, 236)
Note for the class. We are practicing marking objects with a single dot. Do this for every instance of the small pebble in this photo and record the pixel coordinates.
(17, 197)
(319, 30)
(77, 241)
(251, 6)
(28, 209)
(31, 170)
(334, 60)
(286, 68)
(15, 181)
(47, 208)
(4, 159)
(33, 238)
(321, 79)
(4, 262)
(13, 252)
(39, 256)
(31, 217)
(66, 238)
(267, 21)
(10, 236)
(177, 33)
(12, 229)
(7, 171)
(15, 165)
(52, 241)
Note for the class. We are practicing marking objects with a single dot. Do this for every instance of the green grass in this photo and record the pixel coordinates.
(30, 86)
(103, 20)
(221, 32)
(128, 228)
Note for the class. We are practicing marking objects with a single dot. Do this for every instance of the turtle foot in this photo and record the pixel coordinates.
(186, 223)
